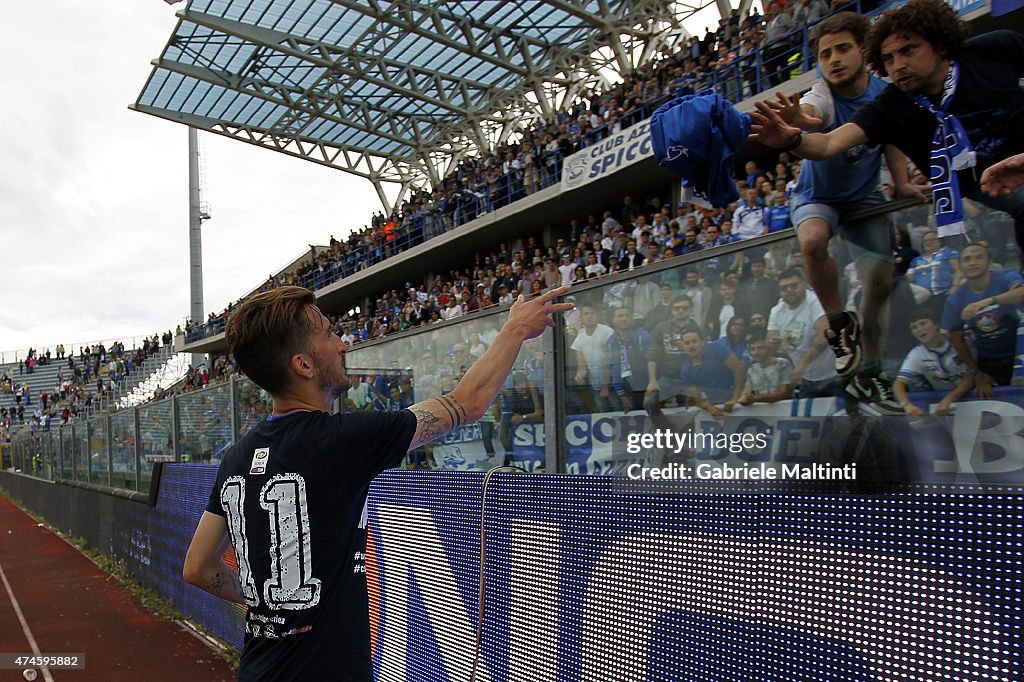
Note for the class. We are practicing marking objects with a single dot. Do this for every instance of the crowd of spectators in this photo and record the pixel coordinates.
(722, 332)
(741, 57)
(79, 382)
(636, 234)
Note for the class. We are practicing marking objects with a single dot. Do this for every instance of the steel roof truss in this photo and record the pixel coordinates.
(360, 163)
(347, 62)
(356, 115)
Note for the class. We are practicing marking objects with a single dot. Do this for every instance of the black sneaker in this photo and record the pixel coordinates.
(846, 345)
(876, 392)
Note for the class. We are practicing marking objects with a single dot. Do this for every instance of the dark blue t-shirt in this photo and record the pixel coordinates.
(712, 374)
(995, 327)
(293, 490)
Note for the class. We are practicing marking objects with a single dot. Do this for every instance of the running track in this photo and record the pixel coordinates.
(56, 596)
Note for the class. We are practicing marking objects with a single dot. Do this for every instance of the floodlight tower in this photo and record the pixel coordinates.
(196, 216)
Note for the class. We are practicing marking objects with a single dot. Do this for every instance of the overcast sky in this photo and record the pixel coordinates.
(94, 197)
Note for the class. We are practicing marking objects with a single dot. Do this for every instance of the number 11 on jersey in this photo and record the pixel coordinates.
(291, 584)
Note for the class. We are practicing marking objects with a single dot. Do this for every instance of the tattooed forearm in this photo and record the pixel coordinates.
(225, 584)
(455, 409)
(436, 417)
(428, 426)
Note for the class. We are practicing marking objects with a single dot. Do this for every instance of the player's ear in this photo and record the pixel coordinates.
(302, 364)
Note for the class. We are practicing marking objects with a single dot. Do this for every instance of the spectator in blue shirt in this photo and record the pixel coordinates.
(711, 374)
(627, 361)
(754, 174)
(938, 268)
(988, 304)
(777, 216)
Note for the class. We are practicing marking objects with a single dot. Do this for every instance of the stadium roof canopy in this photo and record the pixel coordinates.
(396, 91)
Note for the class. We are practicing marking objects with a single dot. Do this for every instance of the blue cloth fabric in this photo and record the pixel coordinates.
(739, 350)
(852, 175)
(697, 136)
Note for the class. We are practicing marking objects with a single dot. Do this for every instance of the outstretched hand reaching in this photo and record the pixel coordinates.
(769, 128)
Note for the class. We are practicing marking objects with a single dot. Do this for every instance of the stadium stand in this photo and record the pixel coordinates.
(725, 60)
(39, 393)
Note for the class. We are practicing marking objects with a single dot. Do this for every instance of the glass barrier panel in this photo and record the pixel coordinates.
(154, 438)
(46, 450)
(23, 458)
(80, 447)
(733, 344)
(252, 403)
(98, 439)
(66, 452)
(17, 456)
(204, 424)
(397, 373)
(122, 448)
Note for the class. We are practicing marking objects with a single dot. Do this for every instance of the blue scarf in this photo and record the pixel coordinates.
(951, 151)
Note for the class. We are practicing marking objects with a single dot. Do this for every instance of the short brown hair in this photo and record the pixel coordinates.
(267, 330)
(789, 273)
(857, 24)
(933, 20)
(924, 313)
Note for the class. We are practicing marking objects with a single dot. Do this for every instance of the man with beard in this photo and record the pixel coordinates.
(830, 189)
(289, 496)
(954, 106)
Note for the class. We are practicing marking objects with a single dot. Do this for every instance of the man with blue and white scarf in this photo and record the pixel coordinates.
(954, 106)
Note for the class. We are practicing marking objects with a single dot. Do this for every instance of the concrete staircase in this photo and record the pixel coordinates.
(45, 379)
(142, 375)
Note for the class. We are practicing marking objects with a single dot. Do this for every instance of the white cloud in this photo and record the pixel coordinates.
(94, 197)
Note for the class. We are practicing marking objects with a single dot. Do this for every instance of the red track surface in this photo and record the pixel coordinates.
(71, 606)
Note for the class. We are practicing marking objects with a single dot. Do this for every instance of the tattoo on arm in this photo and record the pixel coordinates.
(218, 583)
(458, 412)
(226, 584)
(435, 418)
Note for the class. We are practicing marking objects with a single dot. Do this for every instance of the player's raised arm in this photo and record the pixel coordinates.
(475, 392)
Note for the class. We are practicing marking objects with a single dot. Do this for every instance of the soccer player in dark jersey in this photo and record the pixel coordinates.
(289, 496)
